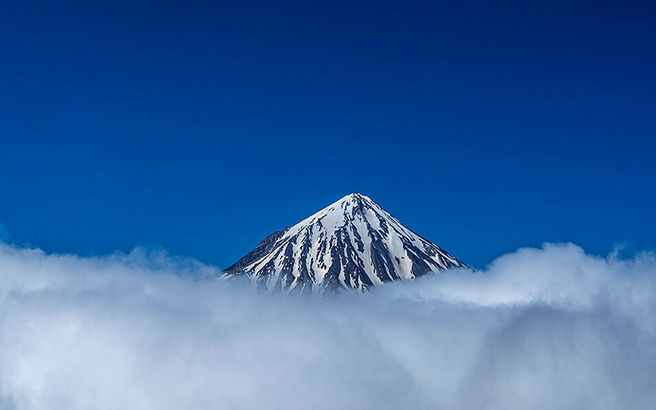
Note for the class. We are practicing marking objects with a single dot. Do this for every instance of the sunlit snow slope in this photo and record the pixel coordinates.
(352, 244)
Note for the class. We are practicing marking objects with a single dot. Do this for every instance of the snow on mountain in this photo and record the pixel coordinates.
(351, 244)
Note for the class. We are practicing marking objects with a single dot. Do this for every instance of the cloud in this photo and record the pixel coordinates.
(539, 328)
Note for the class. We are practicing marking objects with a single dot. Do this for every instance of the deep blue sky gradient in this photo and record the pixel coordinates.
(203, 127)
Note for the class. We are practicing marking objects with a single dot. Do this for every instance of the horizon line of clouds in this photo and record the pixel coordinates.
(548, 327)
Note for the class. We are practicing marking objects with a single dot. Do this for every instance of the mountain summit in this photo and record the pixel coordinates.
(351, 244)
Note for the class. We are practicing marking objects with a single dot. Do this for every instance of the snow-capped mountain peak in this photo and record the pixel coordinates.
(352, 243)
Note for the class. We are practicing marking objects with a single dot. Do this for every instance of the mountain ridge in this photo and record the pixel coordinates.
(350, 244)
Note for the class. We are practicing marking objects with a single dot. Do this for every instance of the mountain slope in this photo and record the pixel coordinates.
(351, 244)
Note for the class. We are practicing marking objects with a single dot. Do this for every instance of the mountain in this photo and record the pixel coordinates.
(351, 244)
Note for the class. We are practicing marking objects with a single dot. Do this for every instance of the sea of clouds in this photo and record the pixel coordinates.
(543, 328)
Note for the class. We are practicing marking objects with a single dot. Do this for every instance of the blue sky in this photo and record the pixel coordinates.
(203, 127)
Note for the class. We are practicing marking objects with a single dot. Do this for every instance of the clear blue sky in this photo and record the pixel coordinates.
(203, 127)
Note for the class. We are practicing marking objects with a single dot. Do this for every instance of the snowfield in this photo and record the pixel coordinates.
(351, 244)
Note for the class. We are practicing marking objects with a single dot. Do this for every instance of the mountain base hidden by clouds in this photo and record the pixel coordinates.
(543, 328)
(352, 243)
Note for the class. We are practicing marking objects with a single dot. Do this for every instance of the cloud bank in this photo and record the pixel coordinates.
(540, 328)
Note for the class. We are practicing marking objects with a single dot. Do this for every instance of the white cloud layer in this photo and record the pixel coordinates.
(540, 328)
